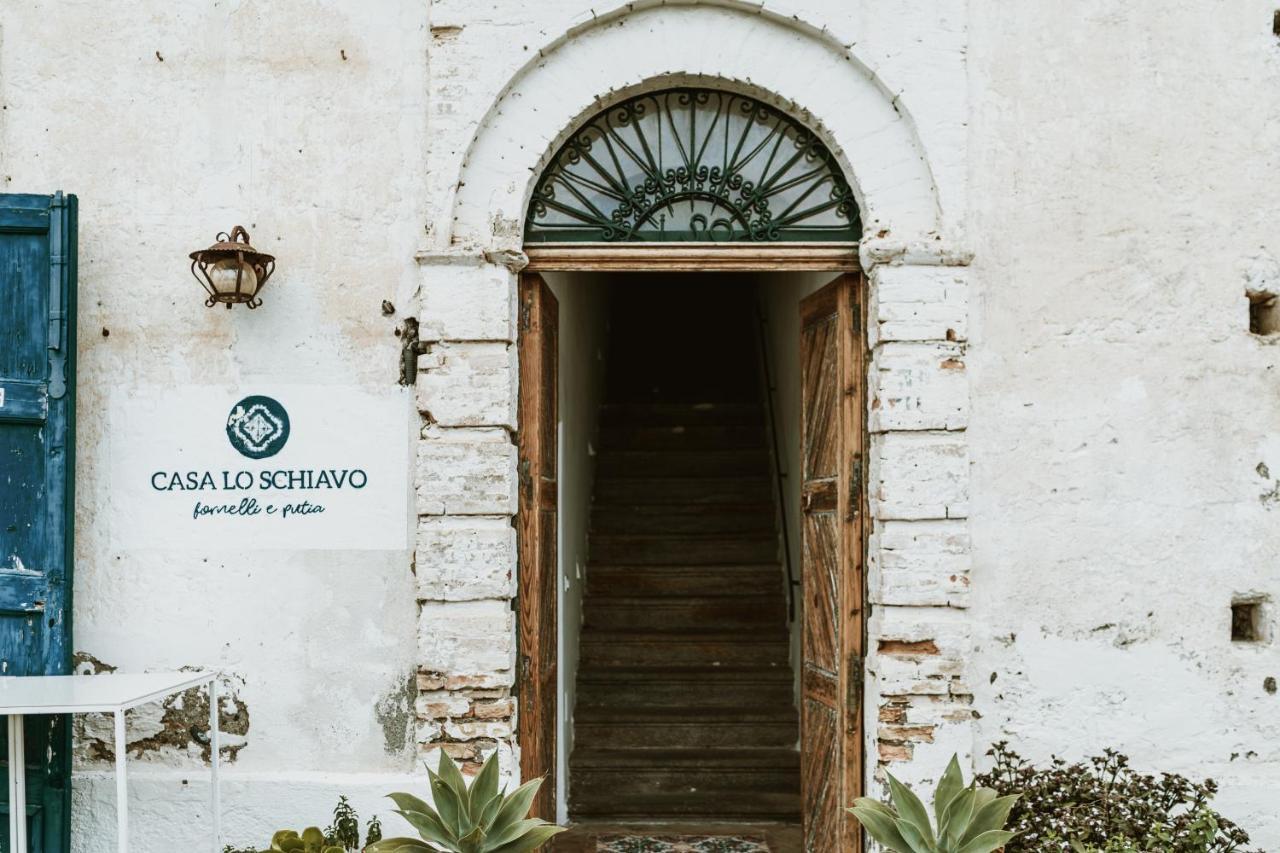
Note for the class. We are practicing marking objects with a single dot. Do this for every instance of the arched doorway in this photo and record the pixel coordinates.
(691, 558)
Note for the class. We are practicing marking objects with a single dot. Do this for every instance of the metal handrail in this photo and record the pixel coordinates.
(780, 475)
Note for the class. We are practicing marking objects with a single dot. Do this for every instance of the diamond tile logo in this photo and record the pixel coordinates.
(258, 427)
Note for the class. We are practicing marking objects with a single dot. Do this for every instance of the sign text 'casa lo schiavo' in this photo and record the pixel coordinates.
(300, 467)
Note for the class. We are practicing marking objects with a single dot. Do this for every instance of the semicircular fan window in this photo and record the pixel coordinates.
(692, 165)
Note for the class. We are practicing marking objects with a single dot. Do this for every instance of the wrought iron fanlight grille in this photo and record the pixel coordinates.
(692, 165)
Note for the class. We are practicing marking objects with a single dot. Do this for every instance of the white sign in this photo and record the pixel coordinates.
(267, 466)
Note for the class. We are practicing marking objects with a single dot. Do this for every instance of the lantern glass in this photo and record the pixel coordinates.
(223, 276)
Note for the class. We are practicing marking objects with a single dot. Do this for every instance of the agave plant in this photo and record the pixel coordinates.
(969, 819)
(479, 819)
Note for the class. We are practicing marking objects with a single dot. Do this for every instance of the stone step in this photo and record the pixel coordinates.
(644, 772)
(645, 491)
(682, 463)
(687, 694)
(709, 613)
(711, 805)
(687, 518)
(680, 581)
(681, 414)
(726, 731)
(694, 437)
(601, 649)
(688, 550)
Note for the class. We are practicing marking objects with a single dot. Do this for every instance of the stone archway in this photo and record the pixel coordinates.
(917, 698)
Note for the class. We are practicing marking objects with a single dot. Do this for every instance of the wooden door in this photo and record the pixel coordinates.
(832, 415)
(537, 530)
(37, 467)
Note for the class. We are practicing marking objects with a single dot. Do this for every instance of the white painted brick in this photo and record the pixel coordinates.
(920, 563)
(462, 559)
(919, 386)
(919, 475)
(466, 472)
(468, 384)
(467, 301)
(918, 303)
(472, 729)
(466, 638)
(947, 629)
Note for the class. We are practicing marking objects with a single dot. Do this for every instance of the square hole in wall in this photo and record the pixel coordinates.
(1264, 312)
(1247, 625)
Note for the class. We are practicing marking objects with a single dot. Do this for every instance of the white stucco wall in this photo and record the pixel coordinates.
(1083, 404)
(1122, 163)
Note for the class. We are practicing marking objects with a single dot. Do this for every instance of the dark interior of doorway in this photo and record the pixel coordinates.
(685, 710)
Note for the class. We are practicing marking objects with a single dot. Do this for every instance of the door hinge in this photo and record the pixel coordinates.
(57, 310)
(526, 479)
(855, 485)
(854, 680)
(526, 313)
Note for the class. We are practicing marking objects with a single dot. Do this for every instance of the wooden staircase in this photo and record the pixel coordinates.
(684, 694)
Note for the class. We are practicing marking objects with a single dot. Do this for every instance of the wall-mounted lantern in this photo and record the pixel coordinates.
(231, 270)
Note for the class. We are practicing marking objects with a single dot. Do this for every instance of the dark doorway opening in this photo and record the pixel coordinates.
(685, 694)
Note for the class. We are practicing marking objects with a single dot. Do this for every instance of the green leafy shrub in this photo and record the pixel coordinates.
(970, 819)
(1102, 805)
(479, 819)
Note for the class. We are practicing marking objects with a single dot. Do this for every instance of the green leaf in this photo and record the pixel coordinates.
(489, 811)
(949, 786)
(473, 842)
(876, 805)
(532, 840)
(448, 805)
(410, 803)
(915, 839)
(429, 827)
(399, 845)
(987, 841)
(484, 787)
(881, 827)
(449, 772)
(957, 816)
(281, 836)
(497, 838)
(516, 805)
(910, 809)
(990, 817)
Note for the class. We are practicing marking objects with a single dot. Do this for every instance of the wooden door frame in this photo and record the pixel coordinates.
(689, 257)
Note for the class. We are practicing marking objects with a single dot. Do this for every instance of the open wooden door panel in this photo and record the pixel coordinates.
(536, 534)
(832, 429)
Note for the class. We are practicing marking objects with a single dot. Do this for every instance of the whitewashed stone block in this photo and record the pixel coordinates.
(466, 637)
(466, 472)
(468, 384)
(918, 303)
(919, 475)
(919, 386)
(465, 559)
(467, 302)
(920, 563)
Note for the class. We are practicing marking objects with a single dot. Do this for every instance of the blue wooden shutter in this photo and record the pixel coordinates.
(37, 467)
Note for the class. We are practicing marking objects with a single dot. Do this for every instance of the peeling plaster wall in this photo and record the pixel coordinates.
(1123, 173)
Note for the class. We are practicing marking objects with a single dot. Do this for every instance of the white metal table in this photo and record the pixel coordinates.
(105, 694)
